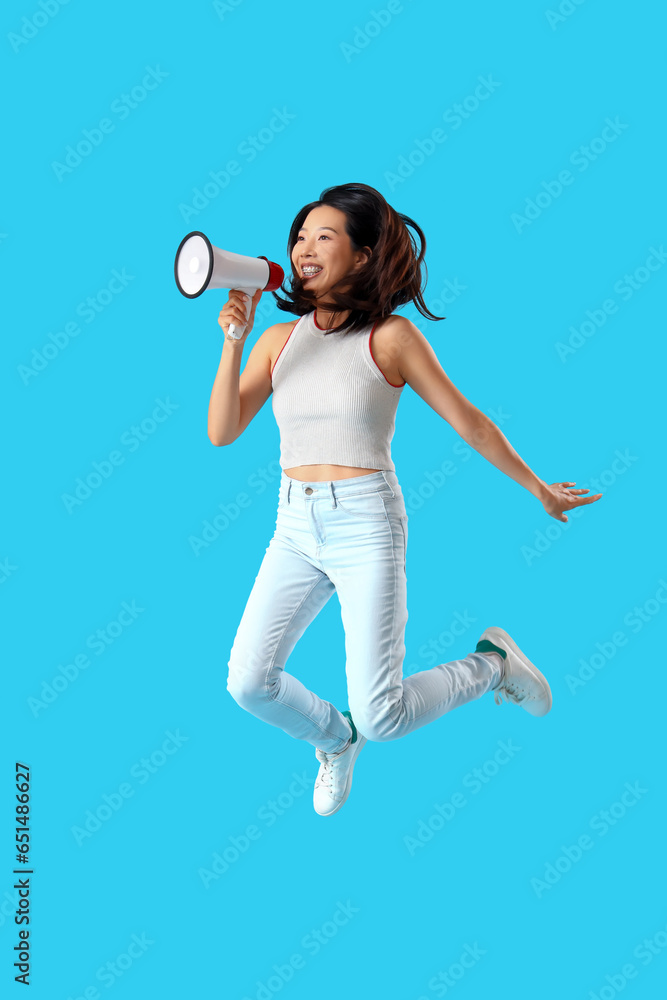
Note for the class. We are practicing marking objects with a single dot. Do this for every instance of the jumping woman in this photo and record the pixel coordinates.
(336, 375)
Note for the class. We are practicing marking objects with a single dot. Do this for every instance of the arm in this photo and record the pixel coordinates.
(420, 368)
(480, 432)
(236, 399)
(225, 403)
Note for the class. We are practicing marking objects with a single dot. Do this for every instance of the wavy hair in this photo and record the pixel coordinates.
(390, 277)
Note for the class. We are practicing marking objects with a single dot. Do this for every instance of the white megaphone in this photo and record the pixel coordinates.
(199, 265)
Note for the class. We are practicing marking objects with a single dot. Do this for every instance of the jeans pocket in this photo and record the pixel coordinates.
(365, 506)
(394, 506)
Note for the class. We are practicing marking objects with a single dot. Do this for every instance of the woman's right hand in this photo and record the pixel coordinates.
(233, 313)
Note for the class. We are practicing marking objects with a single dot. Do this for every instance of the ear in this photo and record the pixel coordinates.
(365, 254)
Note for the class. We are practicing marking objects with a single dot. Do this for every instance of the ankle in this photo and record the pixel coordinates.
(486, 646)
(500, 663)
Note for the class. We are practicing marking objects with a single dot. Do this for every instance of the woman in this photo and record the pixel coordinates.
(336, 375)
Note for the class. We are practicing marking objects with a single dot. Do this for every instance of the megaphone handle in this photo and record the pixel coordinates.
(236, 332)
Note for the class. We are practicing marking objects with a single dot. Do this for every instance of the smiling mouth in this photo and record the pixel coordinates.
(310, 271)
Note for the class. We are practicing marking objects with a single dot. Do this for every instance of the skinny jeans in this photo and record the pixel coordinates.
(348, 536)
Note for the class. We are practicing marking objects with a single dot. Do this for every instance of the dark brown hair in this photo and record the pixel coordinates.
(390, 277)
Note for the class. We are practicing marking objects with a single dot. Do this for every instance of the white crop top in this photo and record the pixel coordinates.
(332, 404)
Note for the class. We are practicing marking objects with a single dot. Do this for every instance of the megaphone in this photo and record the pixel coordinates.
(199, 265)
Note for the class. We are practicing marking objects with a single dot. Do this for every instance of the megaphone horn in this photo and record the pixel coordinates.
(199, 265)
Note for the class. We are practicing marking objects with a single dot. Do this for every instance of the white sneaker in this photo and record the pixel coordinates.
(521, 683)
(334, 778)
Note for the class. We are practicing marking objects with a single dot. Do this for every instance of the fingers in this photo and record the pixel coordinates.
(239, 311)
(579, 491)
(231, 317)
(586, 490)
(234, 310)
(583, 500)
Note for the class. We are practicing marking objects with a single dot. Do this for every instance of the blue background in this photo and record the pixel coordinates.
(358, 102)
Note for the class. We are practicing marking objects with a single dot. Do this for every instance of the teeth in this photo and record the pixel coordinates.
(311, 269)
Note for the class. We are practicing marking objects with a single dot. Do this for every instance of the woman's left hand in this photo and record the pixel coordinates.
(558, 497)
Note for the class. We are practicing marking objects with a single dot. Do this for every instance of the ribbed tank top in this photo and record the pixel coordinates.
(332, 404)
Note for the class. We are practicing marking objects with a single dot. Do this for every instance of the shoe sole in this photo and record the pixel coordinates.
(361, 740)
(500, 637)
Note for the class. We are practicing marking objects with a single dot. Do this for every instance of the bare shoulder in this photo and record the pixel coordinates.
(396, 328)
(397, 334)
(394, 338)
(416, 362)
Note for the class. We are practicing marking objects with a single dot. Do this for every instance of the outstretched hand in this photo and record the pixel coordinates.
(558, 497)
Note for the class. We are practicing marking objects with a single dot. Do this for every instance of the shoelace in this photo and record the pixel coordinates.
(512, 692)
(326, 773)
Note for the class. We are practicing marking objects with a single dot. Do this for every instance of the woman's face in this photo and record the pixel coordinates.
(323, 243)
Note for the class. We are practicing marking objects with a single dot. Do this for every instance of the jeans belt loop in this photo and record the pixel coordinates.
(333, 496)
(289, 487)
(389, 485)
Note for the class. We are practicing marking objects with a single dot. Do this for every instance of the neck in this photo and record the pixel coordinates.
(324, 317)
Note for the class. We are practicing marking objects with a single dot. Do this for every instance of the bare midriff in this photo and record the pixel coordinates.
(321, 473)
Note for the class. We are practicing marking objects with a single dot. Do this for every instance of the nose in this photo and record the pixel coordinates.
(304, 247)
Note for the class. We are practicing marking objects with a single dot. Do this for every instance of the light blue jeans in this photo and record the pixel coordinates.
(347, 535)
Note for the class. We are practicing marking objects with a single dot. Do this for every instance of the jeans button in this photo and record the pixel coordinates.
(308, 489)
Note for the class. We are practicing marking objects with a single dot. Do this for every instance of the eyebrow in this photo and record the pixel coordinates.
(305, 229)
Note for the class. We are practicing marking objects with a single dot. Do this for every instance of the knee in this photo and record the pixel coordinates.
(376, 728)
(246, 686)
